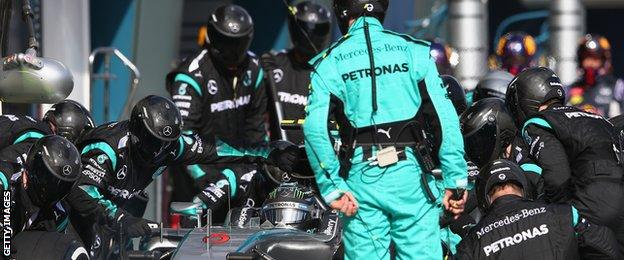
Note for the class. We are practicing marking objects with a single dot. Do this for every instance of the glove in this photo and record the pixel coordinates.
(462, 225)
(133, 226)
(285, 156)
(241, 217)
(212, 196)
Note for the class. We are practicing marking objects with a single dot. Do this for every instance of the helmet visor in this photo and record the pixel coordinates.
(286, 212)
(480, 144)
(148, 145)
(44, 188)
(318, 33)
(229, 50)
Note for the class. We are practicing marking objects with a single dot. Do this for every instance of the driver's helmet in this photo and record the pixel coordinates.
(287, 205)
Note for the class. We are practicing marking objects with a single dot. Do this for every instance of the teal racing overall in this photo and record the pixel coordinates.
(393, 204)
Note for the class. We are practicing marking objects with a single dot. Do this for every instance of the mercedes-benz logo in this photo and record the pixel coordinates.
(167, 131)
(234, 27)
(122, 173)
(212, 87)
(502, 177)
(278, 74)
(67, 170)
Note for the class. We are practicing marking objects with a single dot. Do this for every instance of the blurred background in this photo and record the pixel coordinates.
(145, 39)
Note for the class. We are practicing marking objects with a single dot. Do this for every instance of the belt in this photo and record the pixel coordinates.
(367, 151)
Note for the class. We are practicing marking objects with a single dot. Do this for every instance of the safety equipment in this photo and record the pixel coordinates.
(69, 119)
(132, 226)
(515, 51)
(488, 129)
(52, 167)
(595, 46)
(230, 31)
(455, 92)
(345, 10)
(493, 84)
(310, 28)
(441, 54)
(287, 205)
(155, 123)
(495, 173)
(530, 89)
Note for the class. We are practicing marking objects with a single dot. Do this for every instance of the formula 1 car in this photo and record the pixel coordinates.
(290, 225)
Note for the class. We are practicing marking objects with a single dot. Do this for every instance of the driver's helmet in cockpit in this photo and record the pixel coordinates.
(288, 205)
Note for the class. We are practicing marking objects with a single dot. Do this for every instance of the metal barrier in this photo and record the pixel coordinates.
(107, 76)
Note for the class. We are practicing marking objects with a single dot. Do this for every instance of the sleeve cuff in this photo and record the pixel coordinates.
(336, 193)
(457, 183)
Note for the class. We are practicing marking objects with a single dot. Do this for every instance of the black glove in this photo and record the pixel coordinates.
(212, 196)
(285, 156)
(132, 226)
(595, 241)
(241, 217)
(462, 225)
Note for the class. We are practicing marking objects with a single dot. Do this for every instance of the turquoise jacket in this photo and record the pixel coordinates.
(342, 72)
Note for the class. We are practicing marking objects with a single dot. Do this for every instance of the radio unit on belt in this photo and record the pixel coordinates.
(390, 146)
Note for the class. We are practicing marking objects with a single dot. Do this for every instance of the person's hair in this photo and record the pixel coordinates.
(502, 186)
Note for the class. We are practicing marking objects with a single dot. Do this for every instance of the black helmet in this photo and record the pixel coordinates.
(455, 92)
(69, 119)
(530, 89)
(493, 84)
(155, 124)
(288, 205)
(230, 31)
(495, 173)
(52, 166)
(310, 28)
(488, 128)
(346, 10)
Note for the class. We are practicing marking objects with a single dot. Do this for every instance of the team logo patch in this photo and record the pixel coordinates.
(212, 87)
(234, 27)
(121, 174)
(247, 79)
(502, 177)
(182, 89)
(167, 131)
(67, 170)
(278, 75)
(101, 158)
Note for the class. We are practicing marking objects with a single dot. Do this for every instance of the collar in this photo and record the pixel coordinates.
(297, 62)
(505, 200)
(373, 24)
(553, 105)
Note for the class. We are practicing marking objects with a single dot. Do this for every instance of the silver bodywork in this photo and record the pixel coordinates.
(191, 243)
